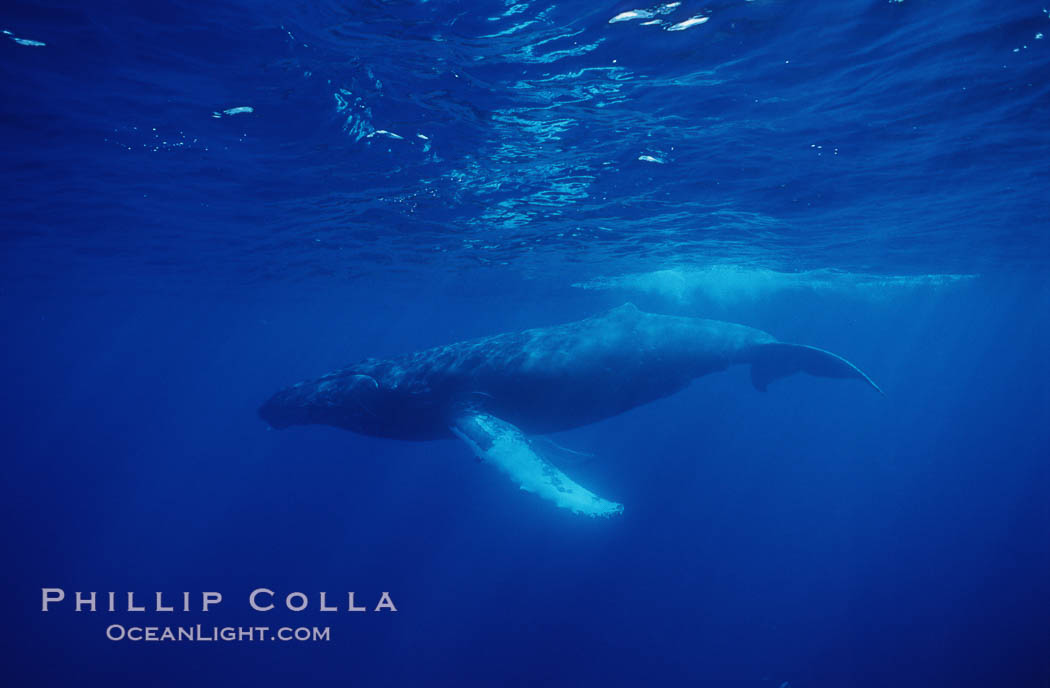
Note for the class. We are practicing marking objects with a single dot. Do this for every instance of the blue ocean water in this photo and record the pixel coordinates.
(207, 202)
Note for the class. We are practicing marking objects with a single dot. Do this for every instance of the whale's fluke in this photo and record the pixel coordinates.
(775, 360)
(498, 442)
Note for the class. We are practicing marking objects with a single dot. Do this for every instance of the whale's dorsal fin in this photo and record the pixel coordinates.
(498, 442)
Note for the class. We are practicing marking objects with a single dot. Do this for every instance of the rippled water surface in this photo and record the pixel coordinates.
(293, 141)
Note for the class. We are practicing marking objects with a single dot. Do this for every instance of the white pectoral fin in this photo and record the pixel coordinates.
(502, 444)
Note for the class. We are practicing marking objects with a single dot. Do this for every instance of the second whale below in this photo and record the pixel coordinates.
(496, 392)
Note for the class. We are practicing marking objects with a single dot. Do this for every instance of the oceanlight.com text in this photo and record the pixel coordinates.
(199, 633)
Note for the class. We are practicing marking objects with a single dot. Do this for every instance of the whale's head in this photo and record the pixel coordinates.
(343, 399)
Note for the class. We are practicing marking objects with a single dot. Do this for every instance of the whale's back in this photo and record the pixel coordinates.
(554, 378)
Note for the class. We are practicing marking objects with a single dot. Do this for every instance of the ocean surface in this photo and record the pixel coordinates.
(203, 203)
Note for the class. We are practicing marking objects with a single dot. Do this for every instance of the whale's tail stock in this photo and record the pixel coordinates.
(773, 361)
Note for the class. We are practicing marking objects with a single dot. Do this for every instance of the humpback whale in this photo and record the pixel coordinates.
(495, 392)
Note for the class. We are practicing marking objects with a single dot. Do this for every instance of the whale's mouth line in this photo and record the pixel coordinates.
(358, 400)
(367, 377)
